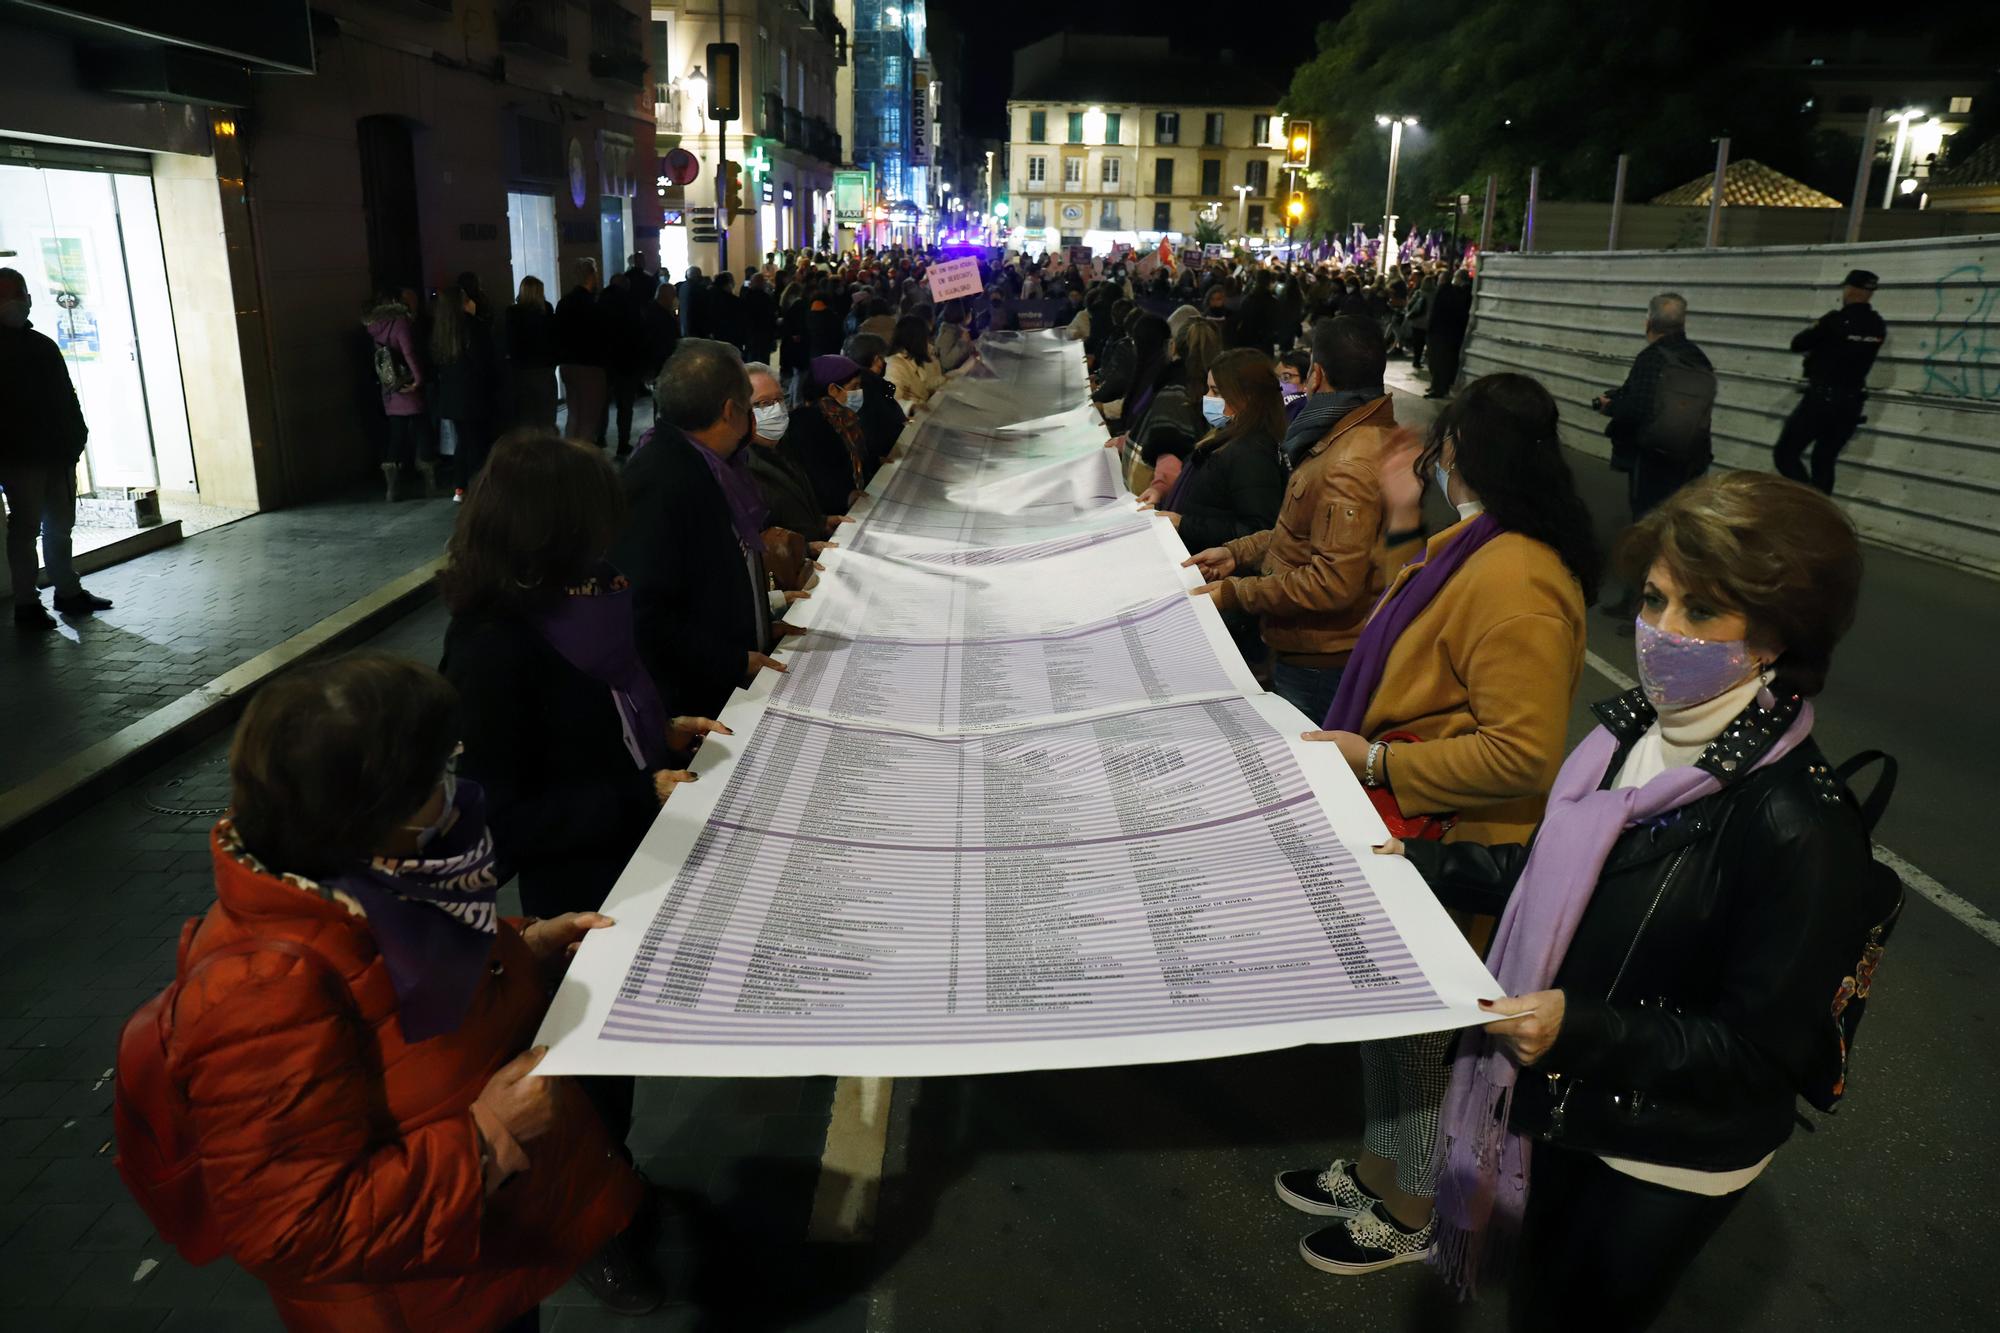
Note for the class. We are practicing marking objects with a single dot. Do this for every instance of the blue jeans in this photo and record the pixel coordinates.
(1308, 689)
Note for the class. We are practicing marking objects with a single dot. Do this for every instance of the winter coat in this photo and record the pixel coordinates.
(698, 608)
(1698, 987)
(1484, 676)
(567, 803)
(44, 420)
(531, 337)
(391, 326)
(580, 331)
(340, 1162)
(466, 389)
(914, 383)
(787, 491)
(1314, 576)
(1232, 490)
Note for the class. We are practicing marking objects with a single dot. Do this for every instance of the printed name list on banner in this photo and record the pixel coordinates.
(1017, 804)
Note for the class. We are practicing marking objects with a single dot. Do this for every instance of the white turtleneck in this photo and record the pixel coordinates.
(1679, 735)
(1677, 738)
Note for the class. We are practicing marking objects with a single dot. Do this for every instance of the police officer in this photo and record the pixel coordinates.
(1839, 351)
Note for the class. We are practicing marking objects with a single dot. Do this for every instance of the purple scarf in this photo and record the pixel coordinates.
(747, 511)
(434, 916)
(592, 628)
(1483, 1186)
(1392, 615)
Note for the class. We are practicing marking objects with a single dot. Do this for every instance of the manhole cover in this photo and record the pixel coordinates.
(205, 791)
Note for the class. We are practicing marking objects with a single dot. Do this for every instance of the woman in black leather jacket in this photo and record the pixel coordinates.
(1681, 987)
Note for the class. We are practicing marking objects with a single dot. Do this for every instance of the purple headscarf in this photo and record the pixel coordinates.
(1392, 615)
(1482, 1191)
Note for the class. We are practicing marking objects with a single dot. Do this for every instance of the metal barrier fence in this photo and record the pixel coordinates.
(1922, 473)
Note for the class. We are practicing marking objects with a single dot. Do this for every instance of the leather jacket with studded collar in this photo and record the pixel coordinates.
(1699, 984)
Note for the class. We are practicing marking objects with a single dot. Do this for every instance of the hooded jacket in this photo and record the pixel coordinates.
(390, 325)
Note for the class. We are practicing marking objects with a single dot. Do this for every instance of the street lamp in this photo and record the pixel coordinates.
(1394, 124)
(1902, 119)
(697, 86)
(1242, 195)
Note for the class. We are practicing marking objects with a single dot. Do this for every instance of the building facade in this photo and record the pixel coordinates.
(892, 112)
(786, 141)
(1114, 139)
(211, 195)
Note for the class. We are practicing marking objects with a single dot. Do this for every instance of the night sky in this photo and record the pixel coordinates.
(994, 29)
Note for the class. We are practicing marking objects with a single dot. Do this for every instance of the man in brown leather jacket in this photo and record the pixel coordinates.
(1313, 578)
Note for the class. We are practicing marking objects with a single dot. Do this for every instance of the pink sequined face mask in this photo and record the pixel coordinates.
(1677, 672)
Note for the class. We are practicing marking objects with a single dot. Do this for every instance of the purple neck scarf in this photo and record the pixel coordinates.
(592, 628)
(434, 917)
(747, 511)
(1482, 1191)
(1392, 615)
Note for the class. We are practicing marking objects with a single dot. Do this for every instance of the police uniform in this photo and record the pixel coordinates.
(1839, 350)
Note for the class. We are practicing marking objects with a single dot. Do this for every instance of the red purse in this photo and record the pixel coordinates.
(1409, 828)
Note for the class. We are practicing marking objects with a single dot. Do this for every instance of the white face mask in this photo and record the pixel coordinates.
(1443, 474)
(1213, 410)
(14, 313)
(771, 418)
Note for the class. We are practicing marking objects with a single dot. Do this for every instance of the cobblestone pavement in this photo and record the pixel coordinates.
(188, 613)
(93, 911)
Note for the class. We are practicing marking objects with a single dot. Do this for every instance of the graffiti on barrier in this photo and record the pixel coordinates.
(1961, 356)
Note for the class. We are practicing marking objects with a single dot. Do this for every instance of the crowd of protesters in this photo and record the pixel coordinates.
(354, 1011)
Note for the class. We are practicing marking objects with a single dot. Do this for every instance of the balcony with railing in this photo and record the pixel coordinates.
(615, 53)
(538, 28)
(794, 136)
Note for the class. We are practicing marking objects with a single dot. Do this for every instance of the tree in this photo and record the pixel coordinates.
(1501, 87)
(1207, 231)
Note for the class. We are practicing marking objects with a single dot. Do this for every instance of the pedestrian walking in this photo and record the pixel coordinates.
(1452, 713)
(1659, 427)
(40, 446)
(639, 280)
(1451, 315)
(760, 317)
(401, 374)
(1840, 350)
(624, 330)
(465, 387)
(349, 1037)
(531, 356)
(580, 342)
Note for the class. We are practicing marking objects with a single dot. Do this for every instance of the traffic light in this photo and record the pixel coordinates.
(724, 82)
(732, 188)
(1298, 143)
(1296, 208)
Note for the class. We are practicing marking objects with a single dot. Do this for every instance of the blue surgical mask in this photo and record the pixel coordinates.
(447, 815)
(1212, 408)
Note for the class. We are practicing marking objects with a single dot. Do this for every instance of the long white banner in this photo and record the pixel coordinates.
(1017, 804)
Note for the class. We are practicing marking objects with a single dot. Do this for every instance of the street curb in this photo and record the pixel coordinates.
(34, 807)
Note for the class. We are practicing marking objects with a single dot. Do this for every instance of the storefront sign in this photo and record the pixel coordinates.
(850, 197)
(920, 114)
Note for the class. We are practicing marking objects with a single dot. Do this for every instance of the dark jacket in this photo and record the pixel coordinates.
(1257, 322)
(621, 324)
(693, 294)
(580, 332)
(693, 590)
(660, 334)
(1114, 374)
(1232, 491)
(467, 389)
(1841, 348)
(641, 284)
(44, 420)
(1451, 311)
(726, 322)
(531, 337)
(793, 340)
(882, 422)
(812, 442)
(567, 803)
(1632, 405)
(787, 491)
(823, 335)
(1697, 986)
(760, 323)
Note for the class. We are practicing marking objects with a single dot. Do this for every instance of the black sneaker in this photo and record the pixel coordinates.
(1335, 1192)
(619, 1277)
(81, 603)
(1367, 1242)
(33, 616)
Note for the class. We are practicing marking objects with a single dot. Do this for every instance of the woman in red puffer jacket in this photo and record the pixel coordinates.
(374, 1144)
